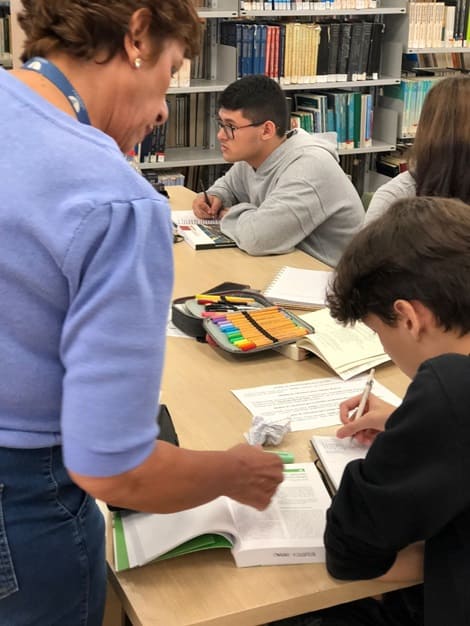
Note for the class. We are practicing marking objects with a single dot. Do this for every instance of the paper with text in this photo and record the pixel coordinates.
(309, 403)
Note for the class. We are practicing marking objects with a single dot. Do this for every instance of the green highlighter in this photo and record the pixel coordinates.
(286, 457)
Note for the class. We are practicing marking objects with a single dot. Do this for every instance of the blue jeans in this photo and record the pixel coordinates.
(52, 554)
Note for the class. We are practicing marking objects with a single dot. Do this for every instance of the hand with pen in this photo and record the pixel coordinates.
(208, 207)
(365, 427)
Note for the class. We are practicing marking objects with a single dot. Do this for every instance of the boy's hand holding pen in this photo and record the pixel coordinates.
(207, 207)
(363, 423)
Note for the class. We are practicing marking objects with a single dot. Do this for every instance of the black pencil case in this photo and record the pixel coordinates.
(189, 320)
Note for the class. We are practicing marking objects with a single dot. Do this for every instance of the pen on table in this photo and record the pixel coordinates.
(364, 397)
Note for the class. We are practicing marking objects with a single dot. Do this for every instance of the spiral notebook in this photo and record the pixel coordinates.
(299, 288)
(200, 234)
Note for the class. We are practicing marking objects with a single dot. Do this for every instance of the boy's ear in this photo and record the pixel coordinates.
(269, 129)
(413, 316)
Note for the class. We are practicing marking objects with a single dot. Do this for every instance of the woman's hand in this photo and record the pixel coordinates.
(366, 427)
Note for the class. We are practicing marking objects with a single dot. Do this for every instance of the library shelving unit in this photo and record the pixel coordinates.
(5, 54)
(400, 29)
(223, 65)
(399, 32)
(222, 71)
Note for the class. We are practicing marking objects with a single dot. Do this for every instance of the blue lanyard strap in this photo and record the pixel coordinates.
(52, 72)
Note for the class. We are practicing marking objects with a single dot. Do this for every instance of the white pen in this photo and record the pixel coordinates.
(364, 397)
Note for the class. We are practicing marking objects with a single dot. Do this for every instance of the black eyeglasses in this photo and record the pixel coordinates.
(229, 129)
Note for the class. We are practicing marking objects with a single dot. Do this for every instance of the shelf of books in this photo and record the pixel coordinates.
(439, 50)
(5, 37)
(324, 12)
(335, 55)
(188, 157)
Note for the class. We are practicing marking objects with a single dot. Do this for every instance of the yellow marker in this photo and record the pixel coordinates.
(216, 298)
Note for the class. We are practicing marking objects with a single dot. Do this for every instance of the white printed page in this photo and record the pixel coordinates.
(341, 346)
(336, 453)
(291, 529)
(307, 404)
(149, 535)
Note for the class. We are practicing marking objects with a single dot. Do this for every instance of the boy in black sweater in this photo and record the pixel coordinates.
(403, 513)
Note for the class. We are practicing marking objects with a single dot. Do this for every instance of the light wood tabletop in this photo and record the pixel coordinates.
(207, 588)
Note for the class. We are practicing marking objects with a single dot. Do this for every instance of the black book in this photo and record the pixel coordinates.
(322, 63)
(364, 54)
(334, 34)
(465, 20)
(375, 49)
(343, 51)
(355, 50)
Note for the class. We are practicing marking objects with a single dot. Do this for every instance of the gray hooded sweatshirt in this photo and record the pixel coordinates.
(298, 198)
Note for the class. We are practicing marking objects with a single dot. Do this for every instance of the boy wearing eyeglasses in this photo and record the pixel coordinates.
(286, 188)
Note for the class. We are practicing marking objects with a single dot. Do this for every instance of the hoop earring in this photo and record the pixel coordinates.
(138, 63)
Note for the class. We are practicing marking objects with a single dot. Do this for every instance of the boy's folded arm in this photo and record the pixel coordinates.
(408, 566)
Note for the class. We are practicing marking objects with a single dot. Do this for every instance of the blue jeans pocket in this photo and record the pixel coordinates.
(8, 581)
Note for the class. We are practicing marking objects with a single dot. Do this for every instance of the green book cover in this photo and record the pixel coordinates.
(202, 542)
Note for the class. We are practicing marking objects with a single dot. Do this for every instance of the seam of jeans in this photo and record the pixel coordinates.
(55, 487)
(6, 561)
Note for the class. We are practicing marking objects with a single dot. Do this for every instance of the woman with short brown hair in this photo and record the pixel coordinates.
(85, 285)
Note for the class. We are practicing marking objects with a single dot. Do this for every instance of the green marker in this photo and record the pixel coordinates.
(286, 457)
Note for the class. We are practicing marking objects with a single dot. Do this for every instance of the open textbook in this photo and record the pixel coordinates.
(307, 404)
(289, 531)
(200, 234)
(348, 350)
(334, 454)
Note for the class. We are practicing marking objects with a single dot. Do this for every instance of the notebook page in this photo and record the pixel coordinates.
(336, 453)
(299, 286)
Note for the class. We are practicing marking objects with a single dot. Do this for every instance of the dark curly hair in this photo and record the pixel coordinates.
(418, 250)
(86, 29)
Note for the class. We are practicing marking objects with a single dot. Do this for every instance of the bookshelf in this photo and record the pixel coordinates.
(430, 51)
(222, 70)
(5, 35)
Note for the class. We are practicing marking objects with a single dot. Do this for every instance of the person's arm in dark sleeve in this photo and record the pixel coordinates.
(405, 490)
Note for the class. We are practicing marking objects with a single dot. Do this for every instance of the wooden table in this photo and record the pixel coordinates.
(207, 588)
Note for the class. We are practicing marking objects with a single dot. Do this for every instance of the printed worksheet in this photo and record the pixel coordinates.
(307, 404)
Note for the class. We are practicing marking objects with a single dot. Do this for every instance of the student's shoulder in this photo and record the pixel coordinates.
(448, 374)
(404, 182)
(447, 365)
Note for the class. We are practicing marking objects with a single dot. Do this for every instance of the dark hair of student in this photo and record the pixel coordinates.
(95, 29)
(418, 250)
(259, 98)
(440, 157)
